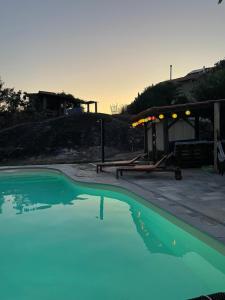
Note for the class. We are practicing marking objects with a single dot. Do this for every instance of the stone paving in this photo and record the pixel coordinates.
(198, 199)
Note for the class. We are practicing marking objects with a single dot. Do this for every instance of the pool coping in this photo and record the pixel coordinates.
(194, 225)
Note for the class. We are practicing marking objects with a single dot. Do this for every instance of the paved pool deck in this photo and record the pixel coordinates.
(198, 199)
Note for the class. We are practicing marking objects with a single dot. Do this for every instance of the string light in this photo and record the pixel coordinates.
(142, 121)
(187, 112)
(174, 116)
(160, 117)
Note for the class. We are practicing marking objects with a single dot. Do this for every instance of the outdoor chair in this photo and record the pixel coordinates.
(120, 163)
(221, 158)
(157, 167)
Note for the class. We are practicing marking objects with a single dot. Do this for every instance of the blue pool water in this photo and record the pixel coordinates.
(61, 240)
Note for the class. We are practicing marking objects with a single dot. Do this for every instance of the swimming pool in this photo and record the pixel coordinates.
(64, 240)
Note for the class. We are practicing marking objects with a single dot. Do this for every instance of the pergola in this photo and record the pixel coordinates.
(169, 115)
(88, 103)
(44, 101)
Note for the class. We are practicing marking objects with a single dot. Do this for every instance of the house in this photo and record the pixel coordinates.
(187, 83)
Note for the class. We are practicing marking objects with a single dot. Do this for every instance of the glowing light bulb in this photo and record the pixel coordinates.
(174, 116)
(187, 112)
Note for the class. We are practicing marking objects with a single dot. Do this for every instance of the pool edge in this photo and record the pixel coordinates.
(202, 235)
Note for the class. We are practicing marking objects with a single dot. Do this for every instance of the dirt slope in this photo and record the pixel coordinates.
(78, 135)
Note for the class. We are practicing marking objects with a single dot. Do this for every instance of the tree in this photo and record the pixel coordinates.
(211, 86)
(10, 100)
(164, 93)
(76, 101)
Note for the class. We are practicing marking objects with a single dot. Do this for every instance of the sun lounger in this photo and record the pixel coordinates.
(120, 163)
(151, 168)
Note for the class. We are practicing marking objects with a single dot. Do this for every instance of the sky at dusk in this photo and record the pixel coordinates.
(106, 50)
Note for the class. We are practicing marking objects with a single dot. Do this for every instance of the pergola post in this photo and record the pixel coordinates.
(102, 140)
(88, 107)
(216, 131)
(166, 135)
(197, 127)
(96, 107)
(145, 138)
(154, 142)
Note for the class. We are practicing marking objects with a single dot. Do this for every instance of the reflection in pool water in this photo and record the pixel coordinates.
(61, 240)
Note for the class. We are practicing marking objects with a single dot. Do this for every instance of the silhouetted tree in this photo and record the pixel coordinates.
(212, 85)
(10, 100)
(164, 93)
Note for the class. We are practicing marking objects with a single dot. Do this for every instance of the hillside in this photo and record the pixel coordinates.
(76, 136)
(201, 84)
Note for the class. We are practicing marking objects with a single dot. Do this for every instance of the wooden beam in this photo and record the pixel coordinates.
(102, 140)
(146, 138)
(197, 129)
(154, 149)
(96, 107)
(216, 131)
(198, 105)
(166, 135)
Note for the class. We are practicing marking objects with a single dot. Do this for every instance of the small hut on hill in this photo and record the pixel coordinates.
(53, 104)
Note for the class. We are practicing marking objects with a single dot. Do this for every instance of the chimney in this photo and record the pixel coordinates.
(171, 72)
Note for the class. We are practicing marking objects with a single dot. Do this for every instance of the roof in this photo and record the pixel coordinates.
(193, 75)
(194, 106)
(202, 70)
(62, 96)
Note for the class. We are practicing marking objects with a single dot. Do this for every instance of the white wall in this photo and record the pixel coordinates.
(181, 130)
